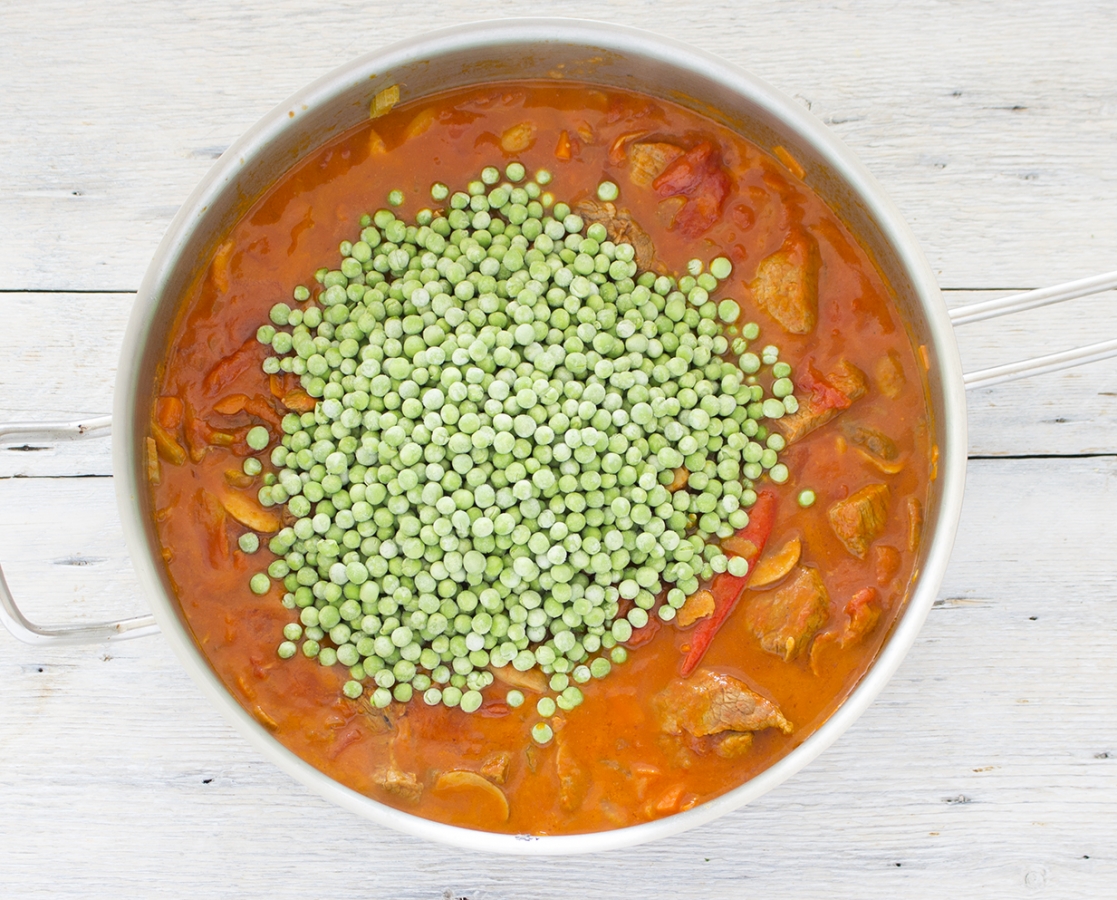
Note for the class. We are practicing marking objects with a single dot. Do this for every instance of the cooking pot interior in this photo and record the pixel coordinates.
(575, 52)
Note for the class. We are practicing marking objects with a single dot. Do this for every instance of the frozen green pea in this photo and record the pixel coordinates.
(541, 733)
(257, 437)
(252, 466)
(806, 498)
(607, 191)
(259, 583)
(514, 698)
(249, 543)
(721, 268)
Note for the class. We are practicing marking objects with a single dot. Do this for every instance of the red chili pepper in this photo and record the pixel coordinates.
(726, 588)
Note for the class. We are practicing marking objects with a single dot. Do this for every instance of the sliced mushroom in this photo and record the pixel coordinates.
(532, 680)
(876, 447)
(771, 568)
(463, 780)
(250, 514)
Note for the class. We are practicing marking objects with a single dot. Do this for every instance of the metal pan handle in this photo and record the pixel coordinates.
(10, 615)
(1040, 365)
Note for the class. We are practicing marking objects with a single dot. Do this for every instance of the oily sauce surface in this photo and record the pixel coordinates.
(611, 764)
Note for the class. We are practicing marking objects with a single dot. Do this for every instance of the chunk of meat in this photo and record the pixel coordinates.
(785, 620)
(859, 519)
(621, 228)
(786, 283)
(733, 744)
(395, 781)
(646, 161)
(711, 703)
(877, 447)
(821, 398)
(495, 766)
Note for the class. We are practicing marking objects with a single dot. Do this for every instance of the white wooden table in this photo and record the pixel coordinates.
(988, 767)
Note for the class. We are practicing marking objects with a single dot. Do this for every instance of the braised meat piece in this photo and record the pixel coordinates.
(860, 518)
(396, 781)
(646, 161)
(786, 283)
(621, 228)
(821, 398)
(785, 620)
(710, 703)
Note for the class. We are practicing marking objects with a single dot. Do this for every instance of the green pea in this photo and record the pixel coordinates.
(607, 191)
(257, 437)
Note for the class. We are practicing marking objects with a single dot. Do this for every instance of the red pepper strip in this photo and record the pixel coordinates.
(726, 588)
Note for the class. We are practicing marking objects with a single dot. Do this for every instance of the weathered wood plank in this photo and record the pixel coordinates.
(985, 768)
(990, 124)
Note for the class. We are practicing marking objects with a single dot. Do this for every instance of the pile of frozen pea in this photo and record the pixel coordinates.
(503, 401)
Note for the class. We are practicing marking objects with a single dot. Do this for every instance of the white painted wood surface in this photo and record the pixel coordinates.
(988, 768)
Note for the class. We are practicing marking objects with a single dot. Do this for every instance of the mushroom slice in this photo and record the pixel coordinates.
(877, 447)
(249, 514)
(463, 780)
(772, 568)
(532, 680)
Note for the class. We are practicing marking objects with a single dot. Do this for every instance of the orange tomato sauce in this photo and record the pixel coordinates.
(624, 769)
